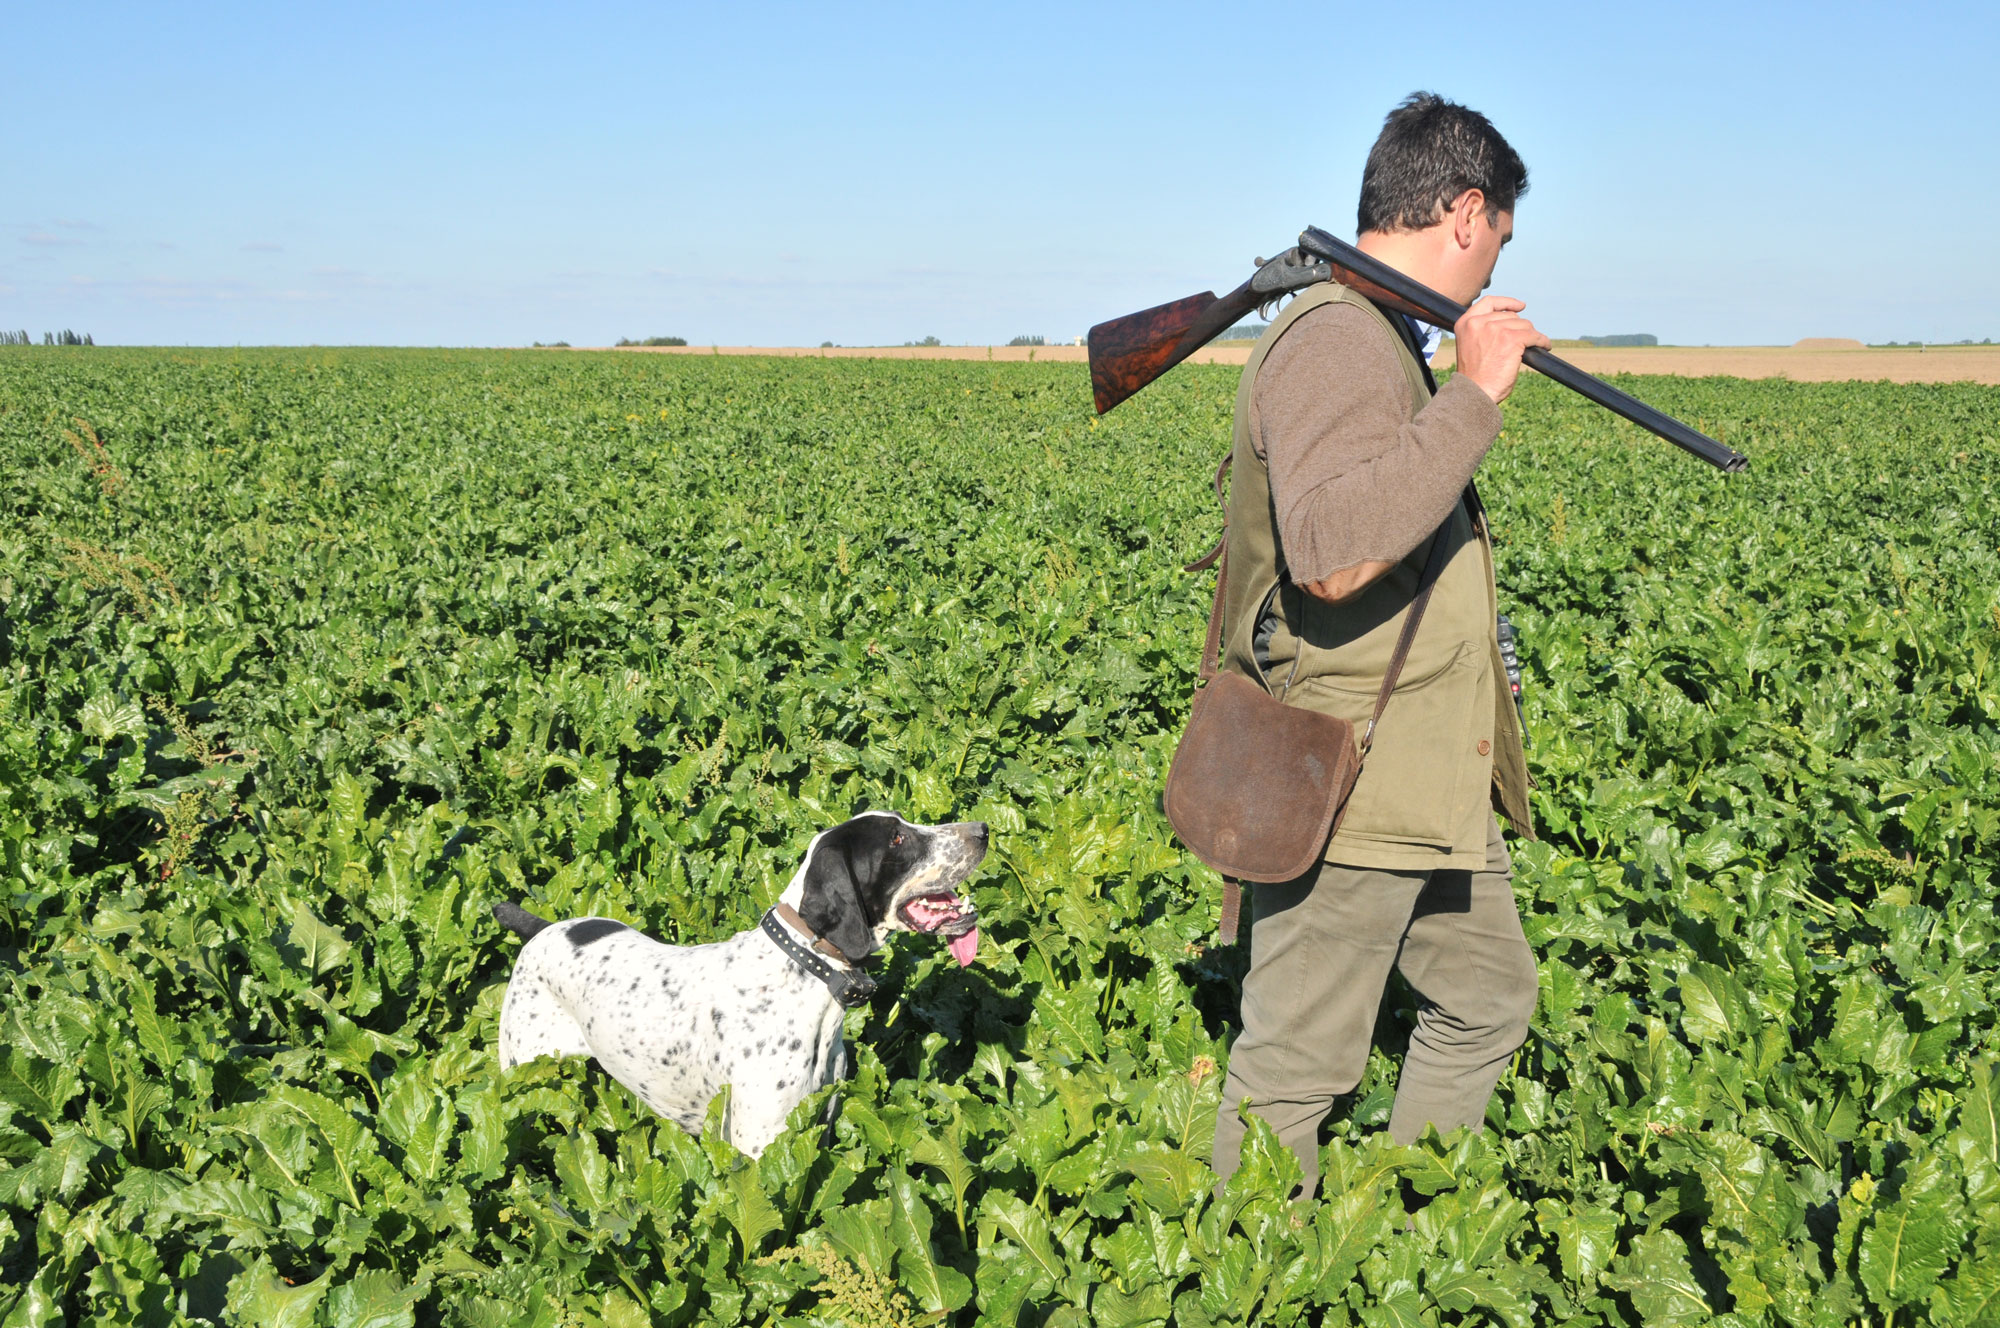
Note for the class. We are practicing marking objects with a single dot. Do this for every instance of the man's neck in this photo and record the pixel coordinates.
(1412, 253)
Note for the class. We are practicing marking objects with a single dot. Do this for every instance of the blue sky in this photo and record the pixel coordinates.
(497, 174)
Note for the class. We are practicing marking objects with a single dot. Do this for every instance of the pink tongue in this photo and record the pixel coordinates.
(964, 947)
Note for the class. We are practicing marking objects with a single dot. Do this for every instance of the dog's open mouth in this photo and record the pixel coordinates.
(956, 919)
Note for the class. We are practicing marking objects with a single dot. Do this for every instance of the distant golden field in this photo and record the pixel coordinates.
(1936, 364)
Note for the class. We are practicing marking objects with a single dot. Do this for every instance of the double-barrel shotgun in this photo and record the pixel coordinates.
(1128, 353)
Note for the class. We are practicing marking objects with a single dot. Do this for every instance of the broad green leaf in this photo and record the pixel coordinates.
(320, 948)
(258, 1295)
(943, 1151)
(861, 1232)
(40, 1088)
(749, 1210)
(1654, 1272)
(1855, 1023)
(584, 1171)
(155, 1037)
(1350, 1222)
(1905, 1248)
(372, 1300)
(1187, 1110)
(1169, 1179)
(1403, 1310)
(237, 1208)
(1008, 1215)
(417, 1118)
(108, 717)
(347, 1143)
(1459, 1289)
(1113, 1308)
(936, 1286)
(37, 1303)
(1970, 1298)
(1979, 1110)
(1715, 1006)
(1585, 1238)
(1071, 1016)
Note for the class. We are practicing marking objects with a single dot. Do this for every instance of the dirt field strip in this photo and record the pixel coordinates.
(1807, 364)
(1937, 364)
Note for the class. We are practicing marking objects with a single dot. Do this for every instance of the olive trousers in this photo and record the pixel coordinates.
(1321, 948)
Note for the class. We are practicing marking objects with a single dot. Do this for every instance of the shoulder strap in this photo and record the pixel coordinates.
(1211, 650)
(1426, 582)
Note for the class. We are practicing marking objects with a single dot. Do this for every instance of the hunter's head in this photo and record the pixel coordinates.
(1441, 172)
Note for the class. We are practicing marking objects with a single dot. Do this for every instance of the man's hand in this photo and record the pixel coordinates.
(1491, 337)
(1347, 583)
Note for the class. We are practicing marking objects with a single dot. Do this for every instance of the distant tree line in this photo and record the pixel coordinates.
(62, 338)
(1622, 339)
(653, 341)
(1028, 341)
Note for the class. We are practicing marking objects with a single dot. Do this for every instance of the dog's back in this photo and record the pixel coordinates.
(672, 1023)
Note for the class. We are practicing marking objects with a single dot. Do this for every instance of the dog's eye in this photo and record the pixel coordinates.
(897, 840)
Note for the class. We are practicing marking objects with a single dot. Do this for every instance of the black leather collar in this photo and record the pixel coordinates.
(849, 986)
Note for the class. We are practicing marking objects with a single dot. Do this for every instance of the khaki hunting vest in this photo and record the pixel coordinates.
(1449, 745)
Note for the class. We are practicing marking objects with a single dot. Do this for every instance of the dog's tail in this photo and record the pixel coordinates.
(516, 918)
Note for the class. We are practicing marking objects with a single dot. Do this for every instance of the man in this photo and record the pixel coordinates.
(1345, 465)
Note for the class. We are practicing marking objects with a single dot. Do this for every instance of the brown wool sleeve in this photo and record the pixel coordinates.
(1354, 478)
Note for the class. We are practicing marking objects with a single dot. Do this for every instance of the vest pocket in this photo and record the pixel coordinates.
(1410, 785)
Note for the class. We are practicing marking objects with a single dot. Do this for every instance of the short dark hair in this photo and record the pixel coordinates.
(1431, 151)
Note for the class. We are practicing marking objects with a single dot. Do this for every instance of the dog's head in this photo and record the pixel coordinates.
(878, 873)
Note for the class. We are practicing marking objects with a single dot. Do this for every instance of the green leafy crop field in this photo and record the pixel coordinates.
(308, 657)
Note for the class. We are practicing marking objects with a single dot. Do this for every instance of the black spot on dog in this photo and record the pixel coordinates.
(593, 929)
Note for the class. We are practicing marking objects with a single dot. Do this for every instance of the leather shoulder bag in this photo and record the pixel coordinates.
(1258, 787)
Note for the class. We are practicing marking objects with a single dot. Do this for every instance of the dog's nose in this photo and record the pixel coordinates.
(975, 831)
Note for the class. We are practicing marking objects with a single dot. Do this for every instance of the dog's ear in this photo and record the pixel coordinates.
(842, 899)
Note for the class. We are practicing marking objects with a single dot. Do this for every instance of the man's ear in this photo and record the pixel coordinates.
(837, 889)
(1468, 212)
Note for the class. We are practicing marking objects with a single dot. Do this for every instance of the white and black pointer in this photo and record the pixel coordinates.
(760, 1011)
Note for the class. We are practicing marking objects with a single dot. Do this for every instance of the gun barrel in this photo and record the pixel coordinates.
(1385, 284)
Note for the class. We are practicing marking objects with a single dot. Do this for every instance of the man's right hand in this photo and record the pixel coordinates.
(1491, 338)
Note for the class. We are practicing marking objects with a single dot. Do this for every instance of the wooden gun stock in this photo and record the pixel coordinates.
(1128, 353)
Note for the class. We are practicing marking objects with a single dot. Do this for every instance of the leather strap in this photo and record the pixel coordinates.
(1211, 651)
(1207, 560)
(1426, 582)
(848, 985)
(1232, 911)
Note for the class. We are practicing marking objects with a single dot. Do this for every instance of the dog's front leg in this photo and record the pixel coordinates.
(756, 1118)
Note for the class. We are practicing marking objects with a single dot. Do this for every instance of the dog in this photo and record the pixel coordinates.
(761, 1011)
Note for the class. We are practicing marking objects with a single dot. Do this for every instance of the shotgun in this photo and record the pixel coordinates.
(1128, 353)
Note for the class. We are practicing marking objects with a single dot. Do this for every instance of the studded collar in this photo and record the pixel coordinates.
(849, 985)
